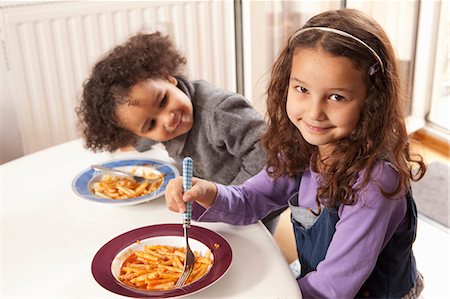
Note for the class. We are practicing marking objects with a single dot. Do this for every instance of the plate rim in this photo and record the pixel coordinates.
(102, 261)
(123, 202)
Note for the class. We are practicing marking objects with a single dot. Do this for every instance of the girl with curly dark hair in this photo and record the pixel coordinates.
(137, 96)
(338, 156)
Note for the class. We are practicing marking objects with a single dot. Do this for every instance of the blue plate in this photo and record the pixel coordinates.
(82, 182)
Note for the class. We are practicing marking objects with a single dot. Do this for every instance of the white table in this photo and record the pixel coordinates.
(49, 236)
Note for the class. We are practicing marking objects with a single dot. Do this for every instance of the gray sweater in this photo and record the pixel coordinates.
(224, 140)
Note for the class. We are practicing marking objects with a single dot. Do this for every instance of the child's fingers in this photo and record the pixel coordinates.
(192, 194)
(174, 195)
(203, 192)
(177, 203)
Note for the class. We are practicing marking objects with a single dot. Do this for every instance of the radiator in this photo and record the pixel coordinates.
(49, 49)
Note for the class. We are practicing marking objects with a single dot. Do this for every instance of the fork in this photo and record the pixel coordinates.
(137, 178)
(190, 258)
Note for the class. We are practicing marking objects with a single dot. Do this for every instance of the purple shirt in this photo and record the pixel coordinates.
(361, 232)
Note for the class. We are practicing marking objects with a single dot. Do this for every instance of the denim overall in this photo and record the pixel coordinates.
(395, 271)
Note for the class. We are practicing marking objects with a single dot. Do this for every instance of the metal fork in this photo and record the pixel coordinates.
(189, 258)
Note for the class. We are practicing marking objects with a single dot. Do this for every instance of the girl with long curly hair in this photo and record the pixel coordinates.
(338, 156)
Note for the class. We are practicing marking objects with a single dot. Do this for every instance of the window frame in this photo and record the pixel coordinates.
(441, 55)
(425, 57)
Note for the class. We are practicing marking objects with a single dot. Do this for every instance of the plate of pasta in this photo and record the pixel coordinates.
(146, 262)
(106, 188)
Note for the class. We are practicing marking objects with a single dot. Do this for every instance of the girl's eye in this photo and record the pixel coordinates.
(152, 124)
(163, 101)
(336, 98)
(301, 89)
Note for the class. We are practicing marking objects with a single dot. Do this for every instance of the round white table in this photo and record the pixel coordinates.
(49, 235)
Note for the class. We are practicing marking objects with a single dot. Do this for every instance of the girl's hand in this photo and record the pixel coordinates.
(202, 191)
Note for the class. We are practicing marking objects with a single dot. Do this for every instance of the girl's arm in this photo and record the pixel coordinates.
(240, 205)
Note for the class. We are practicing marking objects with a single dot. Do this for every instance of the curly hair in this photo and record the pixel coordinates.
(381, 131)
(142, 57)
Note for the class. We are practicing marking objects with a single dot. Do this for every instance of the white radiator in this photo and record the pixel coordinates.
(50, 48)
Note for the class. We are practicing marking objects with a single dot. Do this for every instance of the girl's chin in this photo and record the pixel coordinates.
(315, 141)
(182, 129)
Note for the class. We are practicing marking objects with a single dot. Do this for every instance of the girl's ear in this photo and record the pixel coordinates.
(173, 80)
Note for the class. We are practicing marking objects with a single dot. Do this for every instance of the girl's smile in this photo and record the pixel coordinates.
(325, 96)
(316, 129)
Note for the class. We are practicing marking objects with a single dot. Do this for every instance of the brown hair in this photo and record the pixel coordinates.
(381, 131)
(142, 57)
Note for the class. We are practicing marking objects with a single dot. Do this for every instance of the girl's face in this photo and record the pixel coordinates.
(325, 97)
(158, 110)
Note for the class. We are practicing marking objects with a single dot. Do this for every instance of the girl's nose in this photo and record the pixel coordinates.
(170, 121)
(316, 109)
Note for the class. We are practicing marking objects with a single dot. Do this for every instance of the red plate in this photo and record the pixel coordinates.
(102, 262)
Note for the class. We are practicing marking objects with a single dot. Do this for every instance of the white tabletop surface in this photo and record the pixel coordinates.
(49, 235)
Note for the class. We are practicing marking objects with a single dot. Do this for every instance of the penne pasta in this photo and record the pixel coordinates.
(159, 267)
(115, 187)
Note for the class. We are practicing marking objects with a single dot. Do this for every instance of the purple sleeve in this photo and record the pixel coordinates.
(249, 202)
(361, 233)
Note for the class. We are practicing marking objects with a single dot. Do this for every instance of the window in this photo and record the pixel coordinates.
(399, 20)
(438, 117)
(266, 26)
